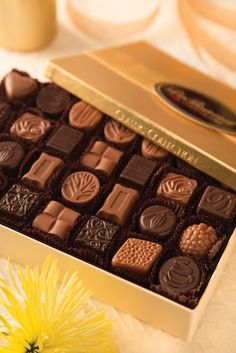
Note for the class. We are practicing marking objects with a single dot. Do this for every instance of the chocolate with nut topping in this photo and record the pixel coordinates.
(198, 239)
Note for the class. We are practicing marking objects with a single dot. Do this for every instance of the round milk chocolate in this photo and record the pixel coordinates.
(11, 155)
(53, 99)
(118, 134)
(179, 274)
(80, 188)
(84, 116)
(157, 221)
(152, 151)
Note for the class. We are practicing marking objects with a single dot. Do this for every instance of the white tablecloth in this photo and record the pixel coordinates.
(216, 333)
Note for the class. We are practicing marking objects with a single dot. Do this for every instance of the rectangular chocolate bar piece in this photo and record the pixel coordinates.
(42, 170)
(119, 204)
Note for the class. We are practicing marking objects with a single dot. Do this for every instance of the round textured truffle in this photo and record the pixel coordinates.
(53, 99)
(30, 127)
(179, 274)
(158, 221)
(152, 151)
(11, 155)
(197, 239)
(80, 187)
(118, 134)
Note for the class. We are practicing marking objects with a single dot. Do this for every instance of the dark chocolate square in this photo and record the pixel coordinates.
(65, 140)
(138, 170)
(97, 234)
(18, 201)
(217, 202)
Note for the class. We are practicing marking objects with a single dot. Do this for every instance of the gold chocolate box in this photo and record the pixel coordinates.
(180, 109)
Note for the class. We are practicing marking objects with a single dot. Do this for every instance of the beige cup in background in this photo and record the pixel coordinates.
(27, 24)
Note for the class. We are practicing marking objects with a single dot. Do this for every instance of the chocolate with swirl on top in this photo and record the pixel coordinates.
(177, 187)
(97, 234)
(217, 202)
(179, 274)
(158, 221)
(30, 127)
(18, 201)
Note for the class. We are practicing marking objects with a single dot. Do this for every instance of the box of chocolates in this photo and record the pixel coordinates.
(123, 198)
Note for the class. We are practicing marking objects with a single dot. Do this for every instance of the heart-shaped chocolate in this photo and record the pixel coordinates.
(18, 86)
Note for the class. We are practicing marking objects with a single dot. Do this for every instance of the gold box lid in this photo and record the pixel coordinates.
(180, 109)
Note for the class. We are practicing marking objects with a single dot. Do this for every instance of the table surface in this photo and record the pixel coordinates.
(216, 332)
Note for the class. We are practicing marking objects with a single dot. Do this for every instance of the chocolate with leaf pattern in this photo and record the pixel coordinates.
(157, 221)
(80, 188)
(118, 134)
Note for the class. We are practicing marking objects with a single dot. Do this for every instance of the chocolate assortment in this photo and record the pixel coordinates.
(76, 179)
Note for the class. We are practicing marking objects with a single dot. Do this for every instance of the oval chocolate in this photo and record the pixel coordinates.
(157, 220)
(11, 155)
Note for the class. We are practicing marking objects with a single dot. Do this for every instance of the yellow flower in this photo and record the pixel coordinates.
(40, 314)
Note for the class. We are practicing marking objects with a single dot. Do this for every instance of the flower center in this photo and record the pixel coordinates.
(33, 347)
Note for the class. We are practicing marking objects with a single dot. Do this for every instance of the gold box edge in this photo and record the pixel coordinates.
(138, 123)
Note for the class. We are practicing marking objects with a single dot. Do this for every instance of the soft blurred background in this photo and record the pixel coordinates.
(201, 33)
